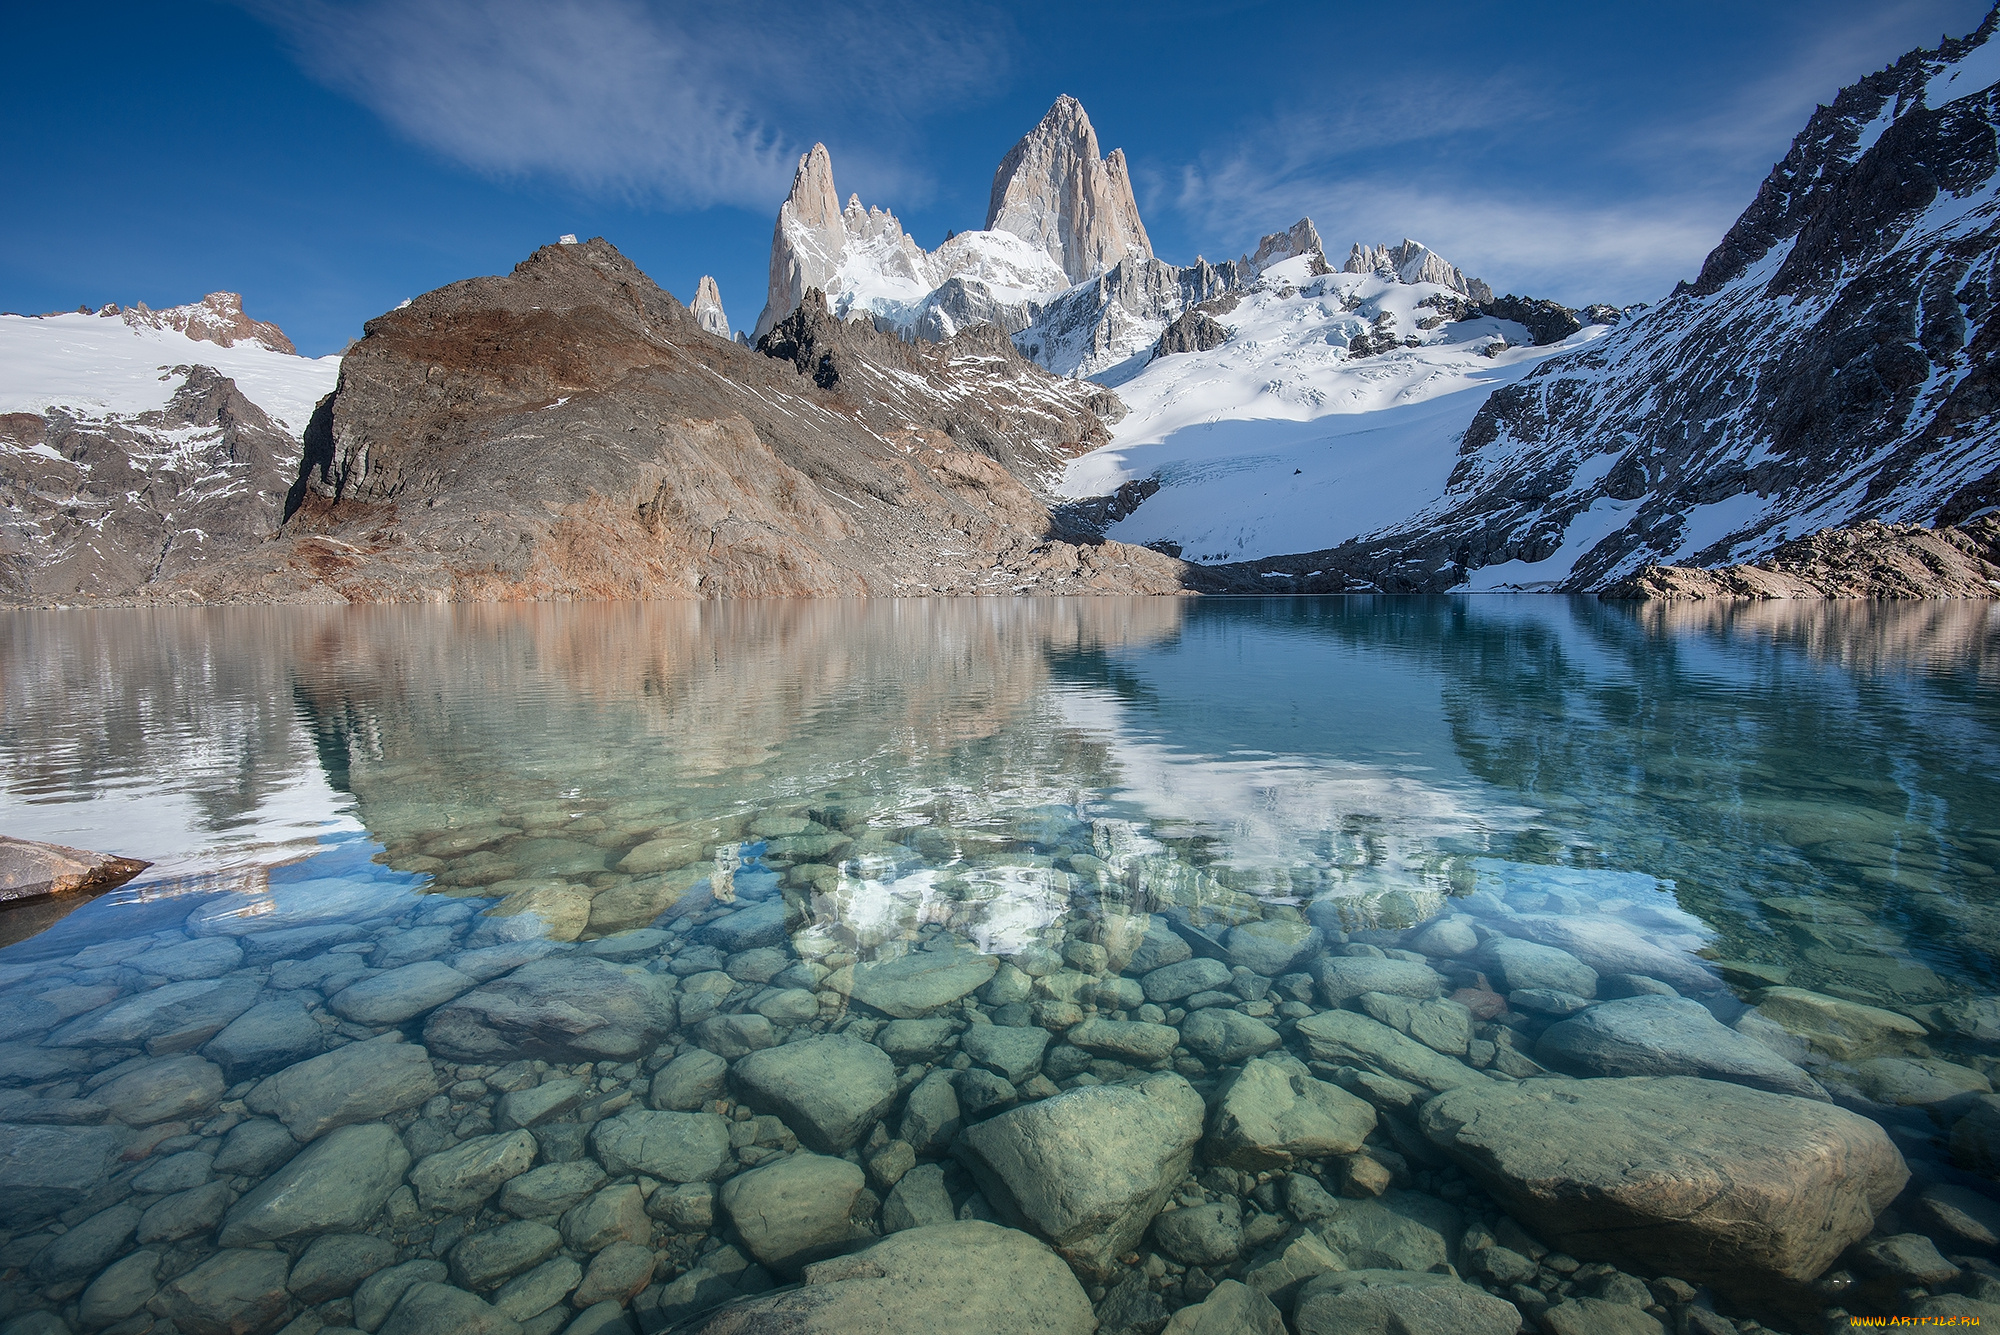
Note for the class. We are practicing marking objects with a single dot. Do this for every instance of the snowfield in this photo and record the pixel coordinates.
(98, 366)
(1280, 440)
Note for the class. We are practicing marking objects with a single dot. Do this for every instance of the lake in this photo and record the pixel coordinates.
(1510, 959)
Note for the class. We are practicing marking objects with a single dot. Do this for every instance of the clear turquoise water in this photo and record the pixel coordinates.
(1806, 794)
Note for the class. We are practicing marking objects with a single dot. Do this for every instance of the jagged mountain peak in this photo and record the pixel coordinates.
(813, 199)
(1054, 191)
(1301, 238)
(1411, 261)
(707, 307)
(217, 318)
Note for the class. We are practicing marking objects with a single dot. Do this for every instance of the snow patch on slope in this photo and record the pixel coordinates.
(1281, 440)
(96, 366)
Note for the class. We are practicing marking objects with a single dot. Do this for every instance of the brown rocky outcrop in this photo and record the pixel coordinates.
(217, 318)
(569, 431)
(1870, 560)
(1054, 191)
(98, 506)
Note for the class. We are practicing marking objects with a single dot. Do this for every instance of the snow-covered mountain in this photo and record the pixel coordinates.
(1063, 264)
(137, 443)
(1834, 363)
(1333, 407)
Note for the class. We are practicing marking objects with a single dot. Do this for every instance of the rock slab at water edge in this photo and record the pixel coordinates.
(1709, 1181)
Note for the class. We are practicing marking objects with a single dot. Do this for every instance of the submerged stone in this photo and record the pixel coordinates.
(966, 1278)
(1666, 1036)
(334, 1185)
(829, 1090)
(795, 1210)
(1090, 1168)
(1706, 1180)
(919, 982)
(558, 1010)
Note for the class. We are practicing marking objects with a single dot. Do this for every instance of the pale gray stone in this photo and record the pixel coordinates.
(483, 1260)
(1226, 1037)
(794, 1210)
(172, 1018)
(254, 1148)
(1273, 946)
(1203, 1235)
(1015, 1053)
(998, 1279)
(464, 1176)
(1666, 1036)
(918, 1199)
(539, 1103)
(1706, 1180)
(615, 1214)
(381, 1291)
(1232, 1309)
(1346, 1039)
(268, 1037)
(334, 1264)
(186, 1214)
(527, 1296)
(909, 1041)
(400, 994)
(427, 1309)
(1132, 1040)
(616, 1275)
(1400, 1302)
(233, 1292)
(1274, 1113)
(829, 1090)
(1164, 986)
(1522, 965)
(47, 1169)
(542, 1193)
(931, 1115)
(669, 1146)
(1344, 977)
(1090, 1168)
(334, 1185)
(919, 982)
(558, 1010)
(121, 1291)
(174, 1172)
(86, 1248)
(361, 1082)
(163, 1091)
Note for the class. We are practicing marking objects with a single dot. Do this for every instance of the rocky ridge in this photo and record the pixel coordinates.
(1831, 365)
(571, 431)
(101, 506)
(1870, 560)
(1413, 262)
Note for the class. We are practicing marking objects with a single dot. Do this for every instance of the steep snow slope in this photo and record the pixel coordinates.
(1837, 362)
(130, 450)
(1281, 439)
(93, 365)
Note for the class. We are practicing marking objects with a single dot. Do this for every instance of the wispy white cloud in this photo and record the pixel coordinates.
(1682, 179)
(674, 105)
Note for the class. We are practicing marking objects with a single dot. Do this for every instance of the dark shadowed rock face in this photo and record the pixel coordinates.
(1834, 363)
(1191, 331)
(570, 431)
(99, 506)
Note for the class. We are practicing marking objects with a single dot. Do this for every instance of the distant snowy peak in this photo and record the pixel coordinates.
(1301, 239)
(1053, 191)
(217, 318)
(707, 308)
(1414, 262)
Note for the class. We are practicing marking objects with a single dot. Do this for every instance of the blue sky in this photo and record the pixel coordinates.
(328, 158)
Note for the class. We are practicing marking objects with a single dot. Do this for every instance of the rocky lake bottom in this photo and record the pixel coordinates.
(1413, 966)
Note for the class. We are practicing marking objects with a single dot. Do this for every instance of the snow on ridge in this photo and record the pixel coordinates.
(97, 366)
(1280, 440)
